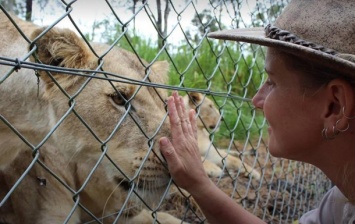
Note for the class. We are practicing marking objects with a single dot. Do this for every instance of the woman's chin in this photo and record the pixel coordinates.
(274, 150)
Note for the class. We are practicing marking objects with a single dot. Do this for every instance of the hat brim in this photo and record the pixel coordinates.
(257, 36)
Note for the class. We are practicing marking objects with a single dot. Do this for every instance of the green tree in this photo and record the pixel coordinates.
(265, 14)
(204, 22)
(21, 8)
(161, 20)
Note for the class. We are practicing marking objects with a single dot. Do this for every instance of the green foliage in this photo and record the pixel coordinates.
(265, 13)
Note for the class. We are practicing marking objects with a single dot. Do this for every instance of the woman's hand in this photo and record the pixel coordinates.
(182, 152)
(185, 166)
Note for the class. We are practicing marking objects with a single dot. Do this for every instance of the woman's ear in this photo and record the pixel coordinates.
(340, 104)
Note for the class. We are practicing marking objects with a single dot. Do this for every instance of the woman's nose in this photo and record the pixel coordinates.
(258, 100)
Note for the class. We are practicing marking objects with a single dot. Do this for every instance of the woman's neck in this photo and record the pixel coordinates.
(339, 166)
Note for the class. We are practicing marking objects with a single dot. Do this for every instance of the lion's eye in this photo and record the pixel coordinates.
(57, 61)
(118, 99)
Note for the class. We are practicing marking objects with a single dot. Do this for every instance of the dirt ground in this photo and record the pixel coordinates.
(287, 190)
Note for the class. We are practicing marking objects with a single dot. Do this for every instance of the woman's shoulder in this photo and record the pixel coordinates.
(334, 208)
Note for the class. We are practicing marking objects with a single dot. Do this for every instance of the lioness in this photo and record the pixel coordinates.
(40, 198)
(213, 158)
(76, 125)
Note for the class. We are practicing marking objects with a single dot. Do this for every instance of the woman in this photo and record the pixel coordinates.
(308, 101)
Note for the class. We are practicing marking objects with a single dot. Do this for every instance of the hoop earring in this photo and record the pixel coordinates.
(325, 135)
(341, 130)
(350, 118)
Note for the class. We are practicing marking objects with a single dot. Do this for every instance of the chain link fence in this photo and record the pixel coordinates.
(80, 120)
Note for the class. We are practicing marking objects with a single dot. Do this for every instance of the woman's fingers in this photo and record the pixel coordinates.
(175, 121)
(169, 153)
(180, 108)
(192, 118)
(185, 120)
(180, 120)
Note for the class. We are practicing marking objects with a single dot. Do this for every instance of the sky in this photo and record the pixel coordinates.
(86, 12)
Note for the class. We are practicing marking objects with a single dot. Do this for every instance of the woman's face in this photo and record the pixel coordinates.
(292, 111)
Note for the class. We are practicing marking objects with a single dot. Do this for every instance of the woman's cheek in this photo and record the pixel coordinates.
(268, 106)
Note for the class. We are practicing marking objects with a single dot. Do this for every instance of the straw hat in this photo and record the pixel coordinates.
(322, 31)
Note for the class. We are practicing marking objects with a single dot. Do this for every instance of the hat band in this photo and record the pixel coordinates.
(276, 33)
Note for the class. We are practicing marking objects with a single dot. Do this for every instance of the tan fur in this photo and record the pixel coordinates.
(40, 198)
(72, 151)
(213, 157)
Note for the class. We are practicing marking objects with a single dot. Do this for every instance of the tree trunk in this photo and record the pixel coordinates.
(159, 24)
(166, 17)
(28, 10)
(162, 21)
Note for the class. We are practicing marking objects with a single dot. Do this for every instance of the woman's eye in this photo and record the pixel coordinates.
(118, 99)
(269, 82)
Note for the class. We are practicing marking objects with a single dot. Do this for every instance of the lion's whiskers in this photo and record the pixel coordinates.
(72, 157)
(108, 198)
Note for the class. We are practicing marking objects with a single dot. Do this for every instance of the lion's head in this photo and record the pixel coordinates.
(105, 120)
(117, 117)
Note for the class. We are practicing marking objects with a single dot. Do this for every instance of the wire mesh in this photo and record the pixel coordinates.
(80, 120)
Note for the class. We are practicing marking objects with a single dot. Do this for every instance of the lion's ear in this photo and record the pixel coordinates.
(160, 70)
(160, 75)
(195, 98)
(62, 47)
